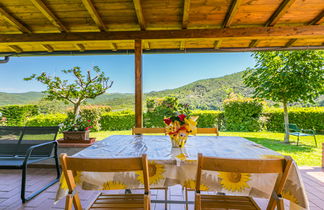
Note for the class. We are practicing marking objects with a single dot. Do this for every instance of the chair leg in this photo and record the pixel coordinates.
(315, 141)
(186, 197)
(23, 183)
(166, 198)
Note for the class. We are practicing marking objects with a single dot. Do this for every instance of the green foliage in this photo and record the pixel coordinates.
(93, 113)
(51, 107)
(122, 120)
(17, 114)
(306, 118)
(209, 118)
(76, 123)
(287, 76)
(46, 120)
(76, 92)
(159, 108)
(242, 114)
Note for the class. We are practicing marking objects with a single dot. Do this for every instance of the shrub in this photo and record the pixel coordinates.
(209, 118)
(122, 120)
(307, 118)
(17, 114)
(46, 120)
(242, 114)
(93, 113)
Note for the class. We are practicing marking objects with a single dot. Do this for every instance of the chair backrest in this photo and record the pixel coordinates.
(208, 131)
(147, 130)
(293, 127)
(72, 164)
(9, 139)
(278, 166)
(37, 135)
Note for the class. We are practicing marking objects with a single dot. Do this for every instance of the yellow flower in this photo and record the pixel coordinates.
(155, 173)
(191, 184)
(113, 185)
(63, 183)
(232, 181)
(191, 125)
(287, 195)
(181, 156)
(271, 157)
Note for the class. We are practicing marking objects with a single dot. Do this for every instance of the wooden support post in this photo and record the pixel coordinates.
(138, 84)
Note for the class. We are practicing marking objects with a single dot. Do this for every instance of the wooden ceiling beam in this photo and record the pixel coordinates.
(147, 45)
(280, 11)
(114, 46)
(186, 10)
(139, 13)
(48, 47)
(13, 21)
(284, 32)
(217, 44)
(39, 4)
(16, 48)
(182, 45)
(80, 47)
(290, 42)
(232, 10)
(318, 19)
(254, 43)
(88, 4)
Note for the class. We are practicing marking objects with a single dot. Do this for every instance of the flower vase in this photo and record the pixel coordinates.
(179, 140)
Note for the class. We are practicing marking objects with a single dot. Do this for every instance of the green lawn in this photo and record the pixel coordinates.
(305, 154)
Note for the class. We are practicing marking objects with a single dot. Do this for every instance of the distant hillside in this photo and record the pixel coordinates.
(201, 94)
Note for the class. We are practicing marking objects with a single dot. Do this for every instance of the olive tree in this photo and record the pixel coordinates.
(287, 77)
(85, 86)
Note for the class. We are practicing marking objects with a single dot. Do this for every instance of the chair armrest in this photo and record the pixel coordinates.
(30, 149)
(308, 130)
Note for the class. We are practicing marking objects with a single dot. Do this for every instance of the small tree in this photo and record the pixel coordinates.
(82, 88)
(287, 77)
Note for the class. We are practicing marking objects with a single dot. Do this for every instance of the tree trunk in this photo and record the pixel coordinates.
(76, 110)
(286, 119)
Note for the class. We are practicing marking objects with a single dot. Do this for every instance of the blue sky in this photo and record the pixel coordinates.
(160, 71)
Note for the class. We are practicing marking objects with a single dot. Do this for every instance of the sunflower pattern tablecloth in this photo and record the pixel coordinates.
(170, 166)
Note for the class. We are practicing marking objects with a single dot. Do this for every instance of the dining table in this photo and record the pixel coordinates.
(169, 166)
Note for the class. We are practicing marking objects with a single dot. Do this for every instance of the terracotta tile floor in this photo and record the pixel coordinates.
(313, 178)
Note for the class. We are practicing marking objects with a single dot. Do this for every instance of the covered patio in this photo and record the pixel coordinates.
(95, 27)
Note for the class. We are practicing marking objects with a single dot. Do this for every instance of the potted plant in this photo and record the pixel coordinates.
(76, 128)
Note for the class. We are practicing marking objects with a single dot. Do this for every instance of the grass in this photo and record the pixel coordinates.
(306, 154)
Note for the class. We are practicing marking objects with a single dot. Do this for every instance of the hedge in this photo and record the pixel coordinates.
(46, 120)
(122, 120)
(17, 114)
(209, 118)
(242, 114)
(307, 118)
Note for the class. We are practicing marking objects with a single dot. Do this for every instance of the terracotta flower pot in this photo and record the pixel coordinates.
(76, 135)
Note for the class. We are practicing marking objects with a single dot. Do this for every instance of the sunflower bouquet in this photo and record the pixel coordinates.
(179, 126)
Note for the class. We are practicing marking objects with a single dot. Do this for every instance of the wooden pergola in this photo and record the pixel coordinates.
(57, 27)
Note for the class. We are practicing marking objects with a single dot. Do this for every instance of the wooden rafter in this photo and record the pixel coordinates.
(217, 44)
(254, 43)
(232, 10)
(186, 10)
(114, 46)
(147, 45)
(13, 21)
(318, 19)
(48, 47)
(290, 42)
(88, 4)
(80, 47)
(16, 48)
(182, 45)
(282, 9)
(284, 32)
(139, 13)
(315, 21)
(49, 14)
